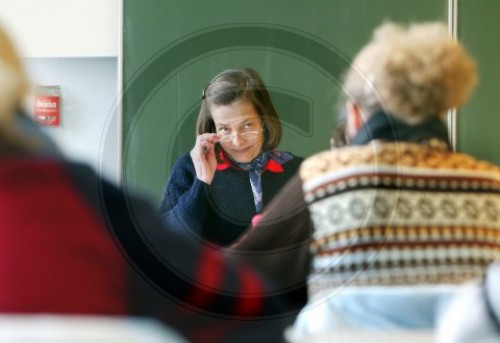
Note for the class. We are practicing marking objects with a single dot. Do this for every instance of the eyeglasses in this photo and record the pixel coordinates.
(246, 135)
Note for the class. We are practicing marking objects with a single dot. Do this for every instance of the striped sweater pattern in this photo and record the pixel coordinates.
(400, 214)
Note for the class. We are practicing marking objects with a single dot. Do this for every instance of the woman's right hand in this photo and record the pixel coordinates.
(203, 156)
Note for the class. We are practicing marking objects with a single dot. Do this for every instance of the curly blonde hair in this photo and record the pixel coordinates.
(14, 86)
(413, 72)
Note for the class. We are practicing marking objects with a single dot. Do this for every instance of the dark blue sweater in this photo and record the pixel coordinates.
(221, 211)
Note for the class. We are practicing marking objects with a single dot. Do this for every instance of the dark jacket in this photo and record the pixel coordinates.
(72, 243)
(222, 211)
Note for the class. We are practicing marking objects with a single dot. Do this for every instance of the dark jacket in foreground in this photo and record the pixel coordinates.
(72, 243)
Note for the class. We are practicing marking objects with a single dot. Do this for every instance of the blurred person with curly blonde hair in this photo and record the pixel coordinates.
(415, 73)
(13, 87)
(70, 246)
(394, 221)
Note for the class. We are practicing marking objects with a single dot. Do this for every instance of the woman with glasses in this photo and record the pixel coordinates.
(234, 168)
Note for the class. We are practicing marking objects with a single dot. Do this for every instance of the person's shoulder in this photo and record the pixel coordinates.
(103, 194)
(286, 157)
(335, 159)
(296, 158)
(289, 162)
(468, 162)
(183, 162)
(184, 159)
(87, 181)
(393, 157)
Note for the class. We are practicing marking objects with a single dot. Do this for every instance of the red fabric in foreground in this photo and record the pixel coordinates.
(54, 249)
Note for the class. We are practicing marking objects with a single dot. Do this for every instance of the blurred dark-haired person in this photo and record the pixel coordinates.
(69, 244)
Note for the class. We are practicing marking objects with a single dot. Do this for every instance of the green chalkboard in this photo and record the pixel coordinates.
(478, 123)
(172, 48)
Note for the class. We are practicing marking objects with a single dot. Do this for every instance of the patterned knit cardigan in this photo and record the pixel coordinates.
(400, 214)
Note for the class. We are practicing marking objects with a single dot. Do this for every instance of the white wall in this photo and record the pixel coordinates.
(75, 44)
(88, 129)
(63, 28)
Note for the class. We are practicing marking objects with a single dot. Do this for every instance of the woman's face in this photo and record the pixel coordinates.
(240, 128)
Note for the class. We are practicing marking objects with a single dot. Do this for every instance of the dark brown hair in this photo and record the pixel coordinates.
(240, 84)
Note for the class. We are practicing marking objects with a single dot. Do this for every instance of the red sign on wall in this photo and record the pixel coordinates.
(47, 105)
